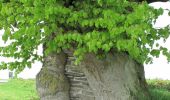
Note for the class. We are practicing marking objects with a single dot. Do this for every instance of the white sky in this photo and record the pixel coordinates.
(159, 69)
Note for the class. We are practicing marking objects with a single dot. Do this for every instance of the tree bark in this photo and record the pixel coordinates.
(117, 77)
(51, 83)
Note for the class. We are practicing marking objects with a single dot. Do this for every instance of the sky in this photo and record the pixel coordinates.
(160, 69)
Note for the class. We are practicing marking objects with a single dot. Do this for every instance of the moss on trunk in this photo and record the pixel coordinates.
(51, 82)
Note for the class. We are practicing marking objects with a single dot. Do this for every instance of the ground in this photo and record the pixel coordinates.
(19, 89)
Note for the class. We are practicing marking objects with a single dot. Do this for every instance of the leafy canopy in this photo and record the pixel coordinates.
(97, 26)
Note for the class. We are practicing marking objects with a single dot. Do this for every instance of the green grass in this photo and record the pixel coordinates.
(159, 89)
(160, 94)
(18, 89)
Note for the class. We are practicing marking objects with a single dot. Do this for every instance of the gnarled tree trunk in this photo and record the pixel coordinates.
(116, 77)
(51, 82)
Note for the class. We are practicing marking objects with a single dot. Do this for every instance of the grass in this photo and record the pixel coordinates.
(19, 89)
(159, 89)
(160, 94)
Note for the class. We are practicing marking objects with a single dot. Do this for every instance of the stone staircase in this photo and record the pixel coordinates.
(79, 86)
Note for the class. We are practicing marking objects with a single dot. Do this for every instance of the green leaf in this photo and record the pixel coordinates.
(87, 27)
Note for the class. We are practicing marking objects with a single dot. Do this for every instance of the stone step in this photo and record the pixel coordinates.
(78, 82)
(81, 93)
(79, 86)
(70, 77)
(75, 88)
(74, 72)
(77, 74)
(80, 78)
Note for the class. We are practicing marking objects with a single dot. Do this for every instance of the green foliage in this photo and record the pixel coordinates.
(97, 26)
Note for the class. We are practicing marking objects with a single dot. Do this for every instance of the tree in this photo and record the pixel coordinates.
(102, 42)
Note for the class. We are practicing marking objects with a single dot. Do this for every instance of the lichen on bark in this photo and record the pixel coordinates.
(50, 81)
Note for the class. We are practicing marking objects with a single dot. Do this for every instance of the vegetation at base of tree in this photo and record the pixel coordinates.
(159, 89)
(159, 94)
(97, 26)
(157, 83)
(20, 89)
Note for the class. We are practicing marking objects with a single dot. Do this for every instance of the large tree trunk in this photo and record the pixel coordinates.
(116, 77)
(51, 82)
